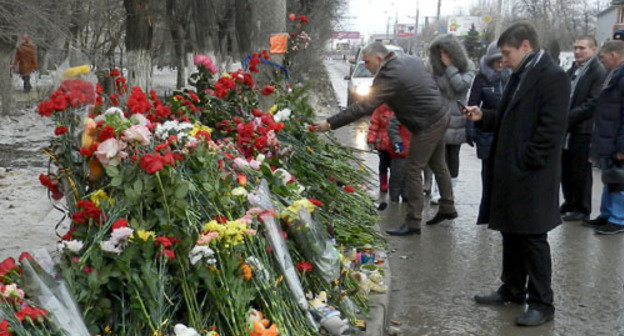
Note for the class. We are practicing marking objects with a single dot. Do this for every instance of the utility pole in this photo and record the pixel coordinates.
(499, 19)
(439, 6)
(417, 14)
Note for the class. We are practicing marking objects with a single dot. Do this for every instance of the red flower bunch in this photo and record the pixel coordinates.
(89, 210)
(223, 86)
(120, 85)
(304, 267)
(137, 102)
(52, 184)
(88, 151)
(35, 314)
(4, 329)
(169, 254)
(115, 72)
(252, 136)
(153, 163)
(105, 132)
(315, 202)
(78, 92)
(7, 266)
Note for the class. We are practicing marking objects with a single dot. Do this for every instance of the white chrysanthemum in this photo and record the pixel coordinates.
(182, 330)
(282, 115)
(239, 191)
(121, 234)
(72, 245)
(202, 252)
(108, 246)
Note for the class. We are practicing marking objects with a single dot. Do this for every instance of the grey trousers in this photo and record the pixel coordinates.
(427, 148)
(397, 179)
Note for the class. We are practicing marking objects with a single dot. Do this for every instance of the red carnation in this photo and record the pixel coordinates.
(33, 313)
(164, 241)
(120, 223)
(302, 19)
(106, 133)
(316, 202)
(151, 163)
(268, 89)
(304, 267)
(7, 266)
(25, 255)
(60, 130)
(221, 219)
(349, 189)
(4, 329)
(115, 73)
(256, 112)
(167, 253)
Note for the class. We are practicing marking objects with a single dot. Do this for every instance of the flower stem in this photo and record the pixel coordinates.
(162, 189)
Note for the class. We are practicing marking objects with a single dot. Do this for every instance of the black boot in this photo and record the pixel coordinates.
(403, 230)
(440, 217)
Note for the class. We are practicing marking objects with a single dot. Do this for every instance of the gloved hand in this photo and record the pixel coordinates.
(371, 148)
(469, 140)
(398, 148)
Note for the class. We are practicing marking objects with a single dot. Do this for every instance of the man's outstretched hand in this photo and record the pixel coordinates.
(321, 126)
(473, 113)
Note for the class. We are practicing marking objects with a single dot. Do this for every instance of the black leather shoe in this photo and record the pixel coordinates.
(534, 317)
(497, 299)
(574, 216)
(440, 217)
(403, 230)
(596, 222)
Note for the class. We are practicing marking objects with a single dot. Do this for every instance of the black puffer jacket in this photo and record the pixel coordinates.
(404, 85)
(608, 137)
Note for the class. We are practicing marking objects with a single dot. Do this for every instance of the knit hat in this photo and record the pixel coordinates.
(493, 53)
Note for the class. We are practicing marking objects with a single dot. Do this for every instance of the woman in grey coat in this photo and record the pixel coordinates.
(453, 72)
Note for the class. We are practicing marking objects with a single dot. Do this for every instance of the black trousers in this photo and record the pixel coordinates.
(527, 257)
(452, 159)
(576, 175)
(485, 190)
(384, 162)
(27, 86)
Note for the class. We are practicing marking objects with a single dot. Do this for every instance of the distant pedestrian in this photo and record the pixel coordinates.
(486, 92)
(26, 61)
(389, 161)
(404, 85)
(587, 76)
(607, 147)
(453, 72)
(528, 125)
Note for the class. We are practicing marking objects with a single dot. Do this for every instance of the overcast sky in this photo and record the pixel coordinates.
(371, 16)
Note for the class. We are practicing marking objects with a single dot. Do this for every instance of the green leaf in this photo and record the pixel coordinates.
(138, 186)
(116, 181)
(111, 171)
(181, 190)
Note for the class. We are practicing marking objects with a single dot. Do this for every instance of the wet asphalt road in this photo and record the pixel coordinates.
(435, 275)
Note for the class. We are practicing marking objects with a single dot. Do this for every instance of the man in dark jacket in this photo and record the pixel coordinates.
(528, 127)
(404, 85)
(607, 148)
(586, 76)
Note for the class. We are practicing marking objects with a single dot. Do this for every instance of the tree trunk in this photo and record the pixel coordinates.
(6, 82)
(178, 42)
(139, 33)
(256, 21)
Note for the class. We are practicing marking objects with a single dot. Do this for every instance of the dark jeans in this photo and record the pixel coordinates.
(27, 86)
(576, 175)
(452, 159)
(396, 185)
(485, 190)
(427, 148)
(527, 257)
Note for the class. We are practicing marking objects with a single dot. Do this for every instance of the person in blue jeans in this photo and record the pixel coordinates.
(607, 148)
(486, 91)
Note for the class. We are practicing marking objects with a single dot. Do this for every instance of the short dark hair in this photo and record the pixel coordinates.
(518, 32)
(588, 38)
(614, 46)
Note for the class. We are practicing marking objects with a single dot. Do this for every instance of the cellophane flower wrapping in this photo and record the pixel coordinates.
(318, 248)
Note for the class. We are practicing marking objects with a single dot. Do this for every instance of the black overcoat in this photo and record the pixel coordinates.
(529, 126)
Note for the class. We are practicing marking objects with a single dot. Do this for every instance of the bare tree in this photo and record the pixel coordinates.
(139, 33)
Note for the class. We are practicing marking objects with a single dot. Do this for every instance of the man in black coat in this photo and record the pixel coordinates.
(529, 126)
(607, 148)
(586, 76)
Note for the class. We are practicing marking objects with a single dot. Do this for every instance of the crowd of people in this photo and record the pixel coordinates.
(537, 129)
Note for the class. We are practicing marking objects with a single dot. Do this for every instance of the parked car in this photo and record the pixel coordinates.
(360, 81)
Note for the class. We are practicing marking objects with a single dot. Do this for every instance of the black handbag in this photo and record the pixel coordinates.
(613, 174)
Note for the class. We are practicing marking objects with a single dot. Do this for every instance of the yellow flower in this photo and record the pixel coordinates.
(214, 226)
(99, 196)
(292, 212)
(145, 235)
(226, 75)
(273, 109)
(76, 71)
(199, 127)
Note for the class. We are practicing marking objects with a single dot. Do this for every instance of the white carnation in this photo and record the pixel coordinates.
(108, 246)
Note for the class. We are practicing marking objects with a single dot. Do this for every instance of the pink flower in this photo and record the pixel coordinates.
(254, 164)
(137, 133)
(141, 119)
(240, 163)
(206, 62)
(205, 239)
(110, 152)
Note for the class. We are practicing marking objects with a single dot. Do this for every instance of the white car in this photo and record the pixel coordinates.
(360, 81)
